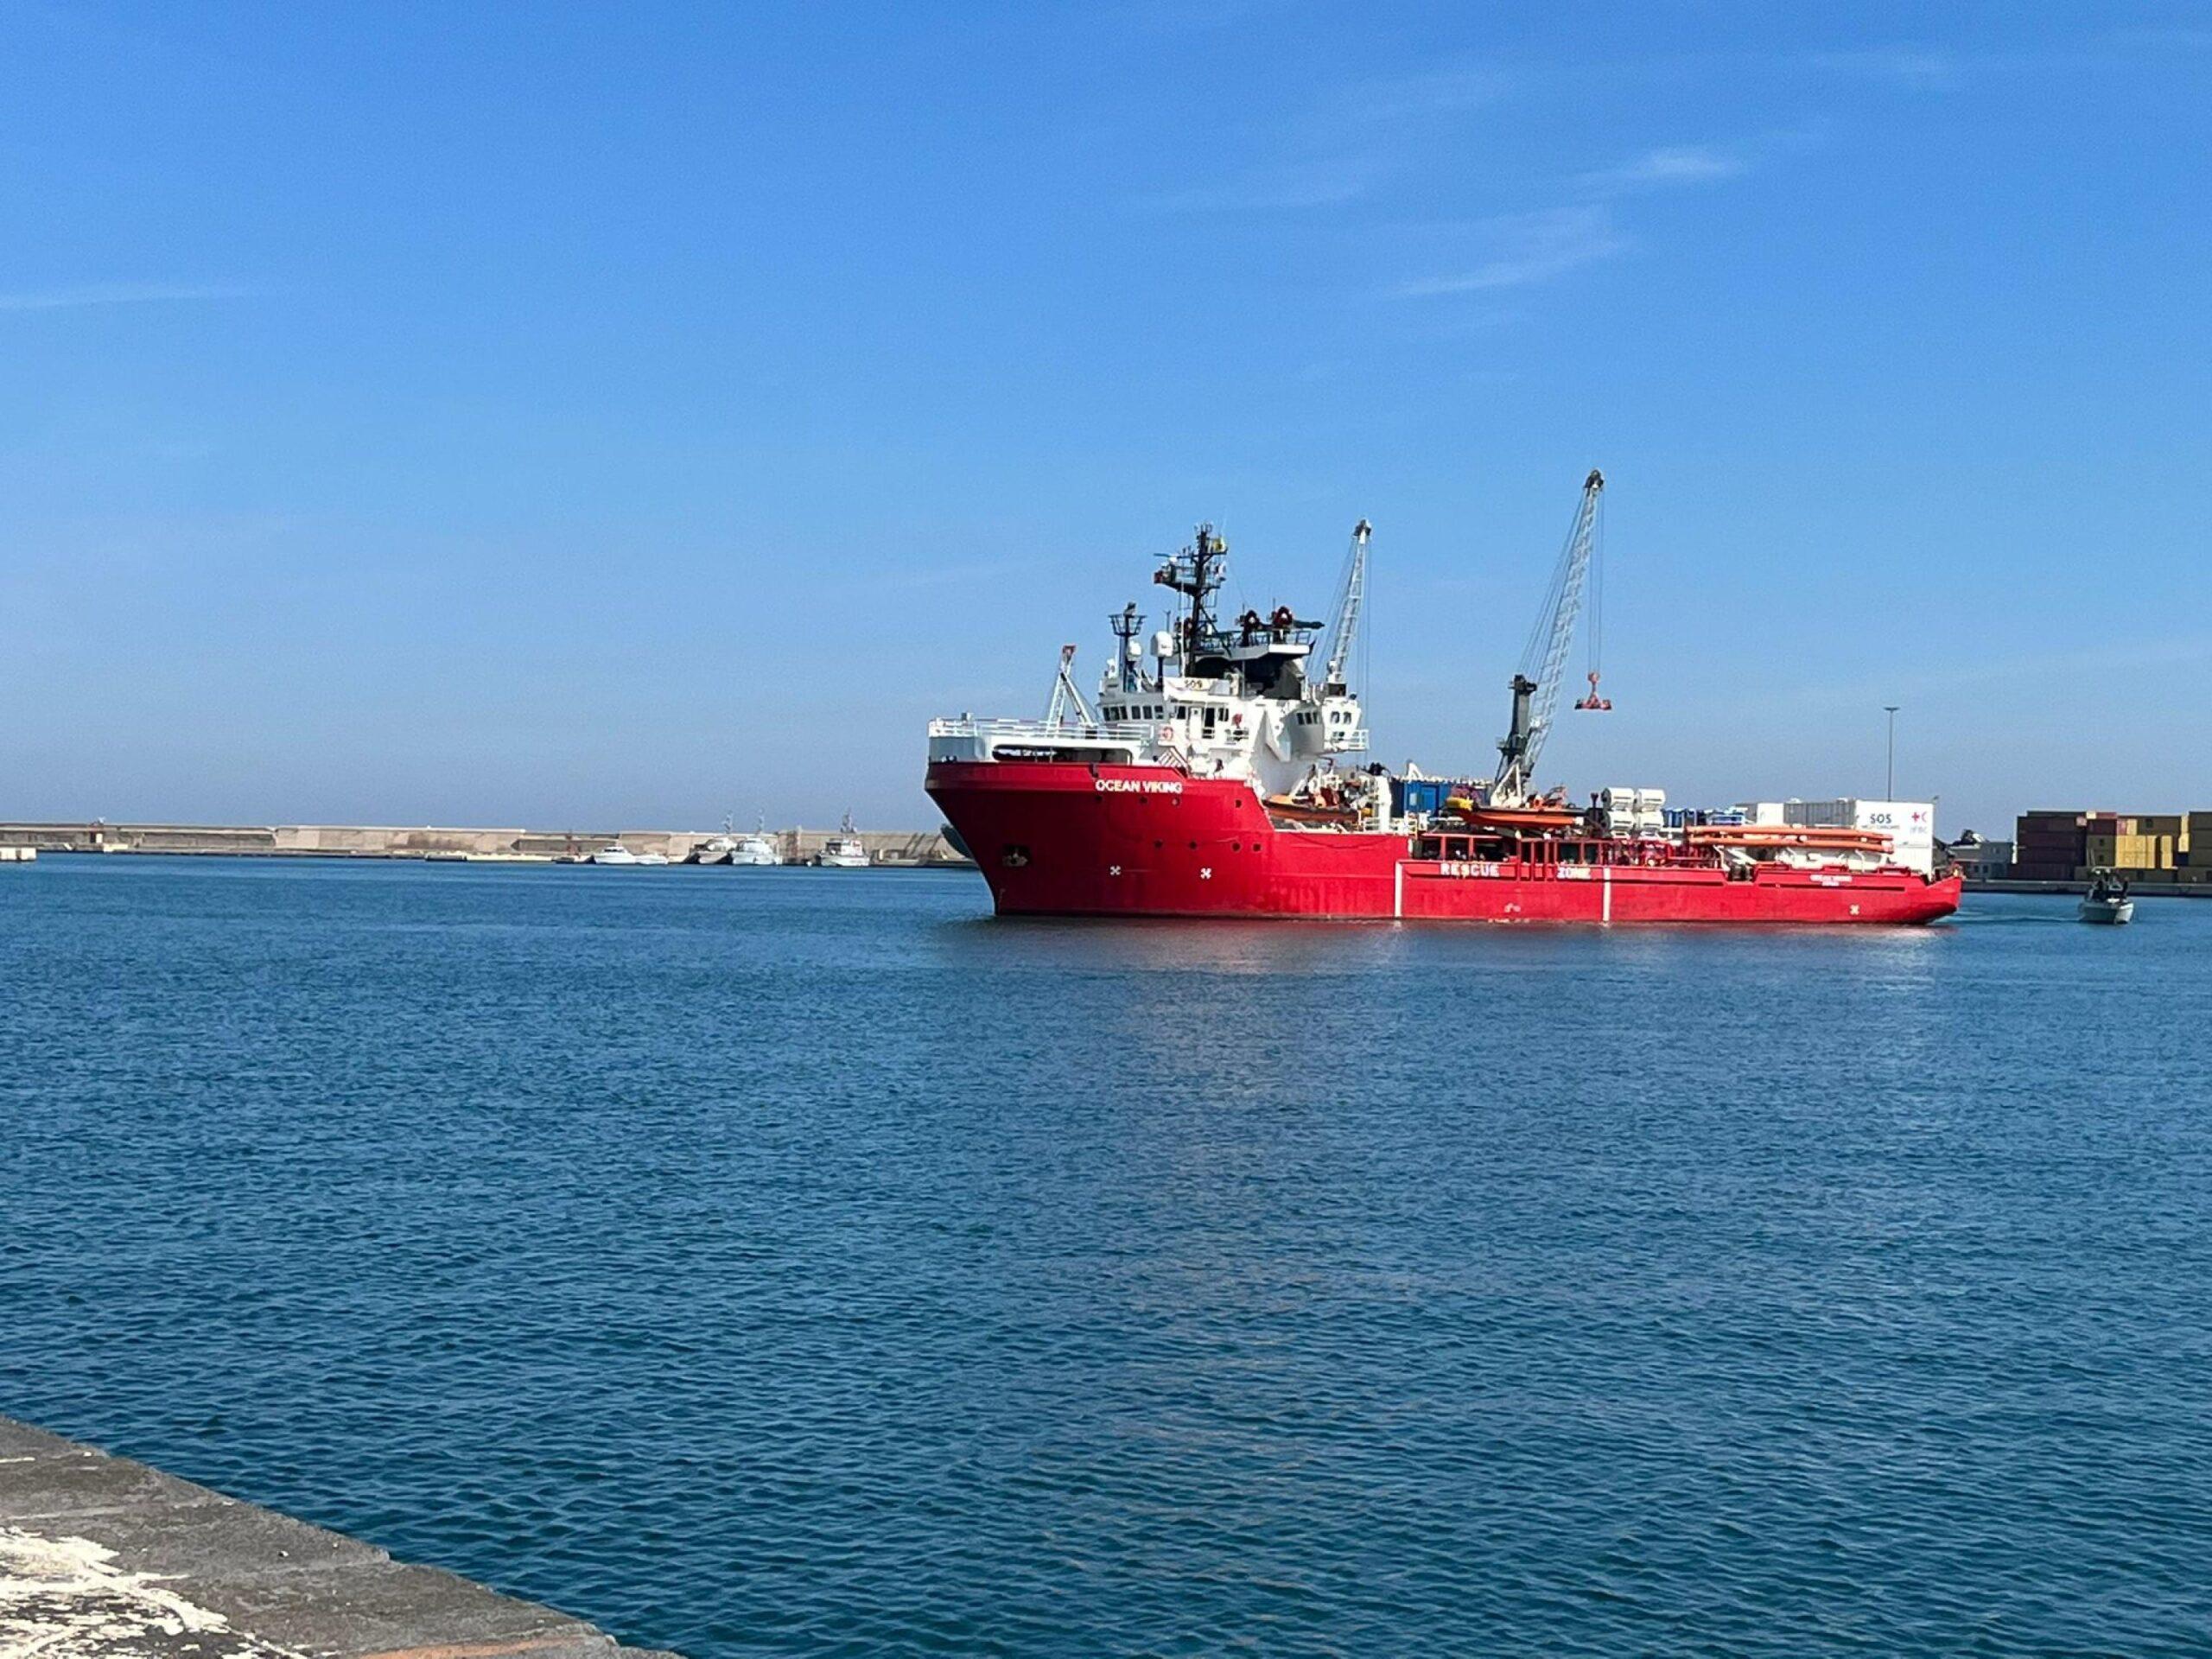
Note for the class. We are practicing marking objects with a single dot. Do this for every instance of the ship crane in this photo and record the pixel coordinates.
(1067, 697)
(1344, 625)
(1535, 686)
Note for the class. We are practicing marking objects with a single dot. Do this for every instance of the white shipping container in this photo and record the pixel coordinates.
(1821, 815)
(1910, 826)
(1633, 811)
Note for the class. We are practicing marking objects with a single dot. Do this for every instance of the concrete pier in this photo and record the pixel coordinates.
(103, 1558)
(2136, 889)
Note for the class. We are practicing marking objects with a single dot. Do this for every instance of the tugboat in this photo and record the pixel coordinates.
(2106, 901)
(1221, 775)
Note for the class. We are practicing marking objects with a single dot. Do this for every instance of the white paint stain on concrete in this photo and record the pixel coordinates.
(65, 1598)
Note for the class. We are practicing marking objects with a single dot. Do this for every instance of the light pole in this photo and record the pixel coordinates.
(1890, 787)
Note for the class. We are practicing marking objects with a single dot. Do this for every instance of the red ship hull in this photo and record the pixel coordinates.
(1062, 839)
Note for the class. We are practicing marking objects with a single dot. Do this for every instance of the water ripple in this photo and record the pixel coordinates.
(785, 1263)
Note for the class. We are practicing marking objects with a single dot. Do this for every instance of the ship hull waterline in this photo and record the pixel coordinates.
(1069, 839)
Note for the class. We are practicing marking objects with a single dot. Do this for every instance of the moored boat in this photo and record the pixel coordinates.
(845, 850)
(757, 849)
(616, 854)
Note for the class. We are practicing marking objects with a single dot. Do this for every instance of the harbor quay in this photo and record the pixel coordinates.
(2065, 850)
(102, 1557)
(895, 848)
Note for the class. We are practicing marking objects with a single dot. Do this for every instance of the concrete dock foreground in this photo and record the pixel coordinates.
(105, 1558)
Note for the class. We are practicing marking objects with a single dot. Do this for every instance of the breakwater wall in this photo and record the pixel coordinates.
(894, 847)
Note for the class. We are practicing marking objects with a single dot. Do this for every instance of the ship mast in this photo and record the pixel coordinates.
(1195, 573)
(1127, 625)
(1535, 686)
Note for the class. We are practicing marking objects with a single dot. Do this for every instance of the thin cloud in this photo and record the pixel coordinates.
(1193, 16)
(1677, 164)
(2182, 36)
(1343, 145)
(67, 299)
(1528, 248)
(1908, 65)
(1442, 92)
(1310, 184)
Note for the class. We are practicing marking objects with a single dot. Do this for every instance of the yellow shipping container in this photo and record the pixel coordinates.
(2129, 852)
(2171, 826)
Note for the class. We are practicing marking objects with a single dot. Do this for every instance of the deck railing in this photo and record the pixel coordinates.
(1134, 732)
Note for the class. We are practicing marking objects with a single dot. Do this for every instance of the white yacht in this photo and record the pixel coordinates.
(844, 850)
(715, 850)
(756, 848)
(615, 853)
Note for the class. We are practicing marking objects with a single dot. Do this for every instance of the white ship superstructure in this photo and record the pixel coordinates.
(1202, 698)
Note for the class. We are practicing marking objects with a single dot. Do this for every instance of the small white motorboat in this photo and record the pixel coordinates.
(845, 850)
(615, 853)
(2106, 901)
(716, 851)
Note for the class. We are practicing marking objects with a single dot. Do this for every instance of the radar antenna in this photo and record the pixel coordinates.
(1127, 625)
(1197, 573)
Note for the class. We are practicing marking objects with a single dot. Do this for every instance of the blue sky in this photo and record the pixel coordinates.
(625, 415)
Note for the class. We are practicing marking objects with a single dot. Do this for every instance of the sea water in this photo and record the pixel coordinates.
(801, 1262)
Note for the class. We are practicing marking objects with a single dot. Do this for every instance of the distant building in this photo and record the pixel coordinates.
(1980, 859)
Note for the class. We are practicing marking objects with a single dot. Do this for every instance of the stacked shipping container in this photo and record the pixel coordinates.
(2050, 846)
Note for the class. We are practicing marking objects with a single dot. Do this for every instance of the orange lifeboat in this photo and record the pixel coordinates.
(1284, 809)
(1521, 820)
